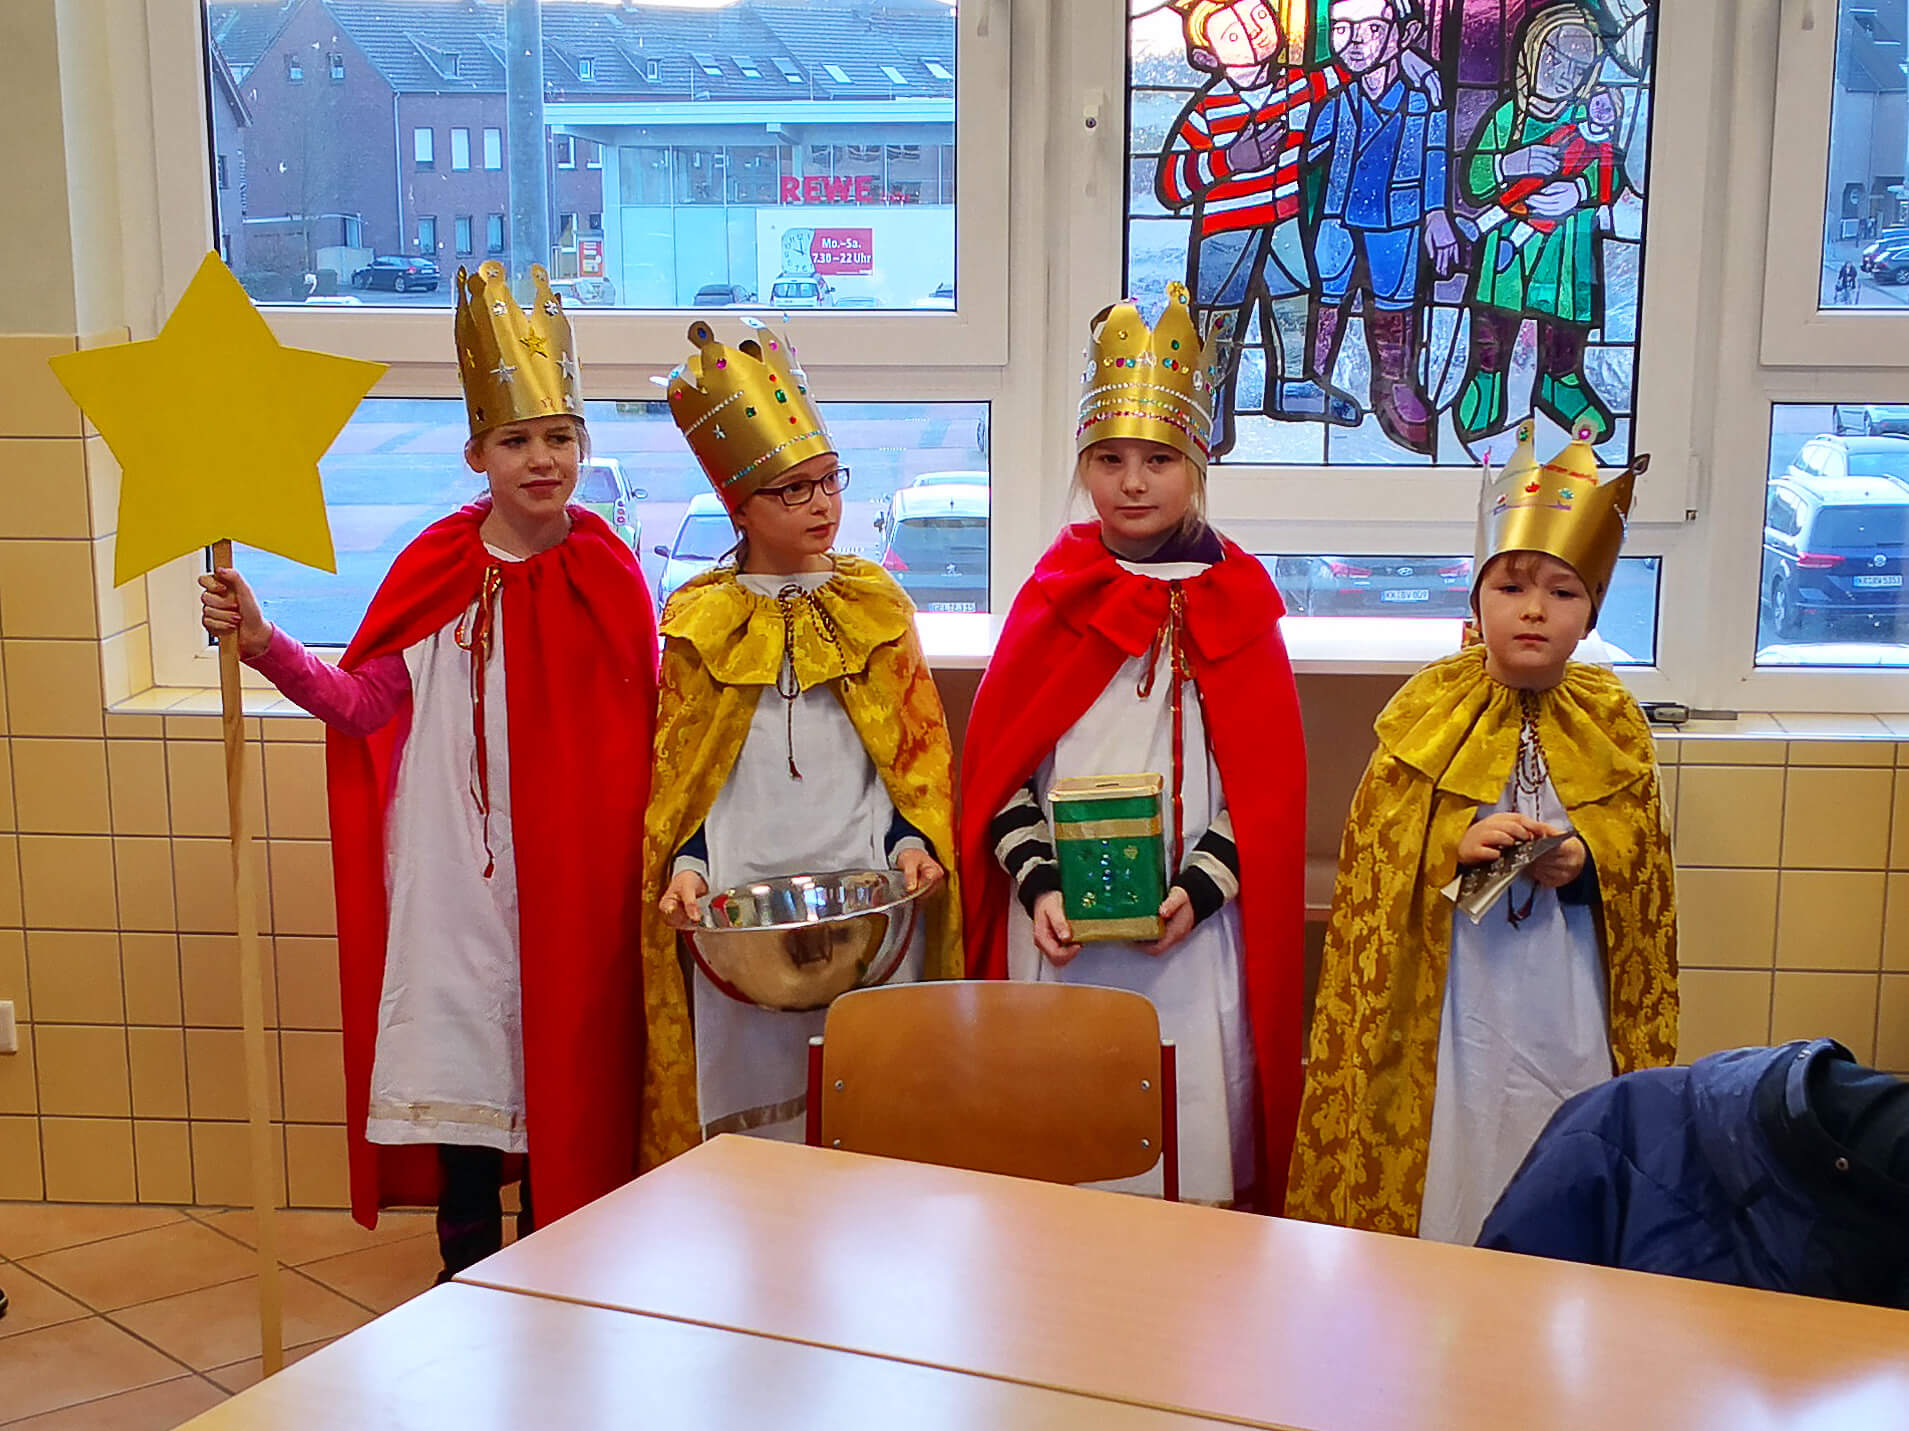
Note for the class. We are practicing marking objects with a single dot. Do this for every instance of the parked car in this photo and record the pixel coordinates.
(703, 539)
(1374, 586)
(334, 300)
(602, 487)
(1872, 418)
(585, 292)
(1829, 456)
(935, 543)
(399, 274)
(947, 479)
(1887, 259)
(812, 291)
(1834, 549)
(721, 295)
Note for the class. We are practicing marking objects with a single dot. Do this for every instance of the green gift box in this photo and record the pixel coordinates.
(1113, 859)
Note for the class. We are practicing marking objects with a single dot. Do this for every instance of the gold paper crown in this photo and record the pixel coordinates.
(1558, 508)
(514, 365)
(746, 411)
(1154, 383)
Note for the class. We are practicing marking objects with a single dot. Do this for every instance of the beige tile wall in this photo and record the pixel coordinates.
(1793, 890)
(117, 940)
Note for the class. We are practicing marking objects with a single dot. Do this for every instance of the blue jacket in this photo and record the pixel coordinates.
(1718, 1171)
(1384, 161)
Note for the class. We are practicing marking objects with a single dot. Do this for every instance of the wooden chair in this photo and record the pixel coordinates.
(1066, 1083)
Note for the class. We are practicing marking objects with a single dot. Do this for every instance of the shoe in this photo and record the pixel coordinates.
(1480, 409)
(1392, 338)
(1569, 402)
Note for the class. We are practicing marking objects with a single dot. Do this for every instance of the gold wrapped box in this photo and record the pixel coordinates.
(1113, 859)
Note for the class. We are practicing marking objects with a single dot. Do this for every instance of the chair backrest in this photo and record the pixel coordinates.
(1061, 1082)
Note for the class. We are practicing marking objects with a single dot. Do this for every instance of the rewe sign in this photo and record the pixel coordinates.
(819, 190)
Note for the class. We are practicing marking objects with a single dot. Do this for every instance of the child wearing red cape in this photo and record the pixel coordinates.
(1146, 643)
(487, 833)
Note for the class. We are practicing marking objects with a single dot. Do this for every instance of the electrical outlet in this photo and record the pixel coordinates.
(9, 1035)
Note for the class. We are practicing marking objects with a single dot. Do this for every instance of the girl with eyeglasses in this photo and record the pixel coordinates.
(799, 732)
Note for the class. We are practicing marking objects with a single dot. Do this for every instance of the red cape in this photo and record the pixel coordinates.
(1076, 621)
(580, 650)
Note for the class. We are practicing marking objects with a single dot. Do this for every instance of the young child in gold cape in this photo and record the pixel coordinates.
(1441, 1047)
(798, 732)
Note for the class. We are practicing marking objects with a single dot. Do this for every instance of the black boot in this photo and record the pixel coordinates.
(470, 1209)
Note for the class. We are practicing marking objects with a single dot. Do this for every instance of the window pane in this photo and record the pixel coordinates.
(674, 108)
(1412, 300)
(1430, 588)
(1836, 537)
(1865, 221)
(917, 502)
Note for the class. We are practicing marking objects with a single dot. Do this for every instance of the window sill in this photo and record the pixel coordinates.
(1318, 645)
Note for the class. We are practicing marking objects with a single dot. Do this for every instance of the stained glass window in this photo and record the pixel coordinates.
(1425, 217)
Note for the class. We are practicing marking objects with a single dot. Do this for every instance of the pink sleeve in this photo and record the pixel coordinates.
(355, 702)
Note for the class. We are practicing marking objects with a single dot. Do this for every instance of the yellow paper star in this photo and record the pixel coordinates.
(218, 429)
(537, 344)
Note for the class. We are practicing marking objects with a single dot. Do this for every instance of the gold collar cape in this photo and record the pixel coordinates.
(1447, 743)
(723, 647)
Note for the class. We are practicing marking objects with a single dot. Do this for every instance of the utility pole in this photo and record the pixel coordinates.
(525, 144)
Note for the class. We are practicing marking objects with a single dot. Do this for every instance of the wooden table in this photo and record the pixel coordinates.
(477, 1360)
(1191, 1310)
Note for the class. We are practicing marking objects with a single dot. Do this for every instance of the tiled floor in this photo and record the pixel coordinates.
(139, 1318)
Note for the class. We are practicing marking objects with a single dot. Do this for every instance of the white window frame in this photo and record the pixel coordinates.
(493, 149)
(965, 356)
(463, 235)
(564, 151)
(421, 220)
(586, 69)
(335, 67)
(460, 150)
(838, 74)
(423, 148)
(1797, 330)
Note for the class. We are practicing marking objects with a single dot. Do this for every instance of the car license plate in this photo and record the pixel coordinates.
(1415, 593)
(951, 606)
(1879, 581)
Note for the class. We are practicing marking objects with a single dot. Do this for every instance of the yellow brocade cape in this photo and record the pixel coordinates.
(1447, 743)
(723, 647)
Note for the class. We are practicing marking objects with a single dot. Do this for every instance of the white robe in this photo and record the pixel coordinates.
(1524, 1028)
(1198, 987)
(751, 1063)
(449, 1066)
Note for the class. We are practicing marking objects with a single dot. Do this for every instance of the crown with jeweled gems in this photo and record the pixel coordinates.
(514, 365)
(1558, 508)
(745, 411)
(1154, 383)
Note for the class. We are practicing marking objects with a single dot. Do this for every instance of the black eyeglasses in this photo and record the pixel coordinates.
(795, 494)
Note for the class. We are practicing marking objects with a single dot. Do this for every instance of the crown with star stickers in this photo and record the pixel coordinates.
(1559, 508)
(514, 365)
(1154, 383)
(745, 411)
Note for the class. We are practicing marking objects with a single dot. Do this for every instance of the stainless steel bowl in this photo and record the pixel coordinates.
(796, 942)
